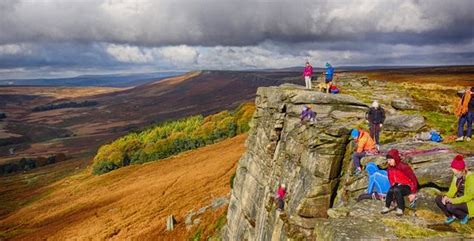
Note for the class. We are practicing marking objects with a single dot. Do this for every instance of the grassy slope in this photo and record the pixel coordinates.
(132, 202)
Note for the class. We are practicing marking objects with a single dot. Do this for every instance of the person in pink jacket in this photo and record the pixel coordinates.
(307, 74)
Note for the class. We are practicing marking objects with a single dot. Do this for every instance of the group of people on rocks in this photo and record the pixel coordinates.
(328, 86)
(398, 180)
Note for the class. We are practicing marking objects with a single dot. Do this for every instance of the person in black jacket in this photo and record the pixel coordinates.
(376, 117)
(466, 117)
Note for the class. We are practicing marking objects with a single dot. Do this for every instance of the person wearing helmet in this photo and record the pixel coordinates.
(365, 145)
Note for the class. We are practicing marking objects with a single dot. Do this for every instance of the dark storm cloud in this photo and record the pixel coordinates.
(232, 34)
(58, 55)
(238, 23)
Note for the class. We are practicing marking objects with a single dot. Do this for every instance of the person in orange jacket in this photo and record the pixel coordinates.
(365, 145)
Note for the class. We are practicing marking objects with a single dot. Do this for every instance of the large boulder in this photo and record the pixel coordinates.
(404, 123)
(403, 104)
(363, 221)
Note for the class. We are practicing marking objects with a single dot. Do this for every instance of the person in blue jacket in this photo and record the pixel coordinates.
(329, 74)
(378, 183)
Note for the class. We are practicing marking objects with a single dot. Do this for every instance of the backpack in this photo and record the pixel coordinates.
(436, 137)
(333, 89)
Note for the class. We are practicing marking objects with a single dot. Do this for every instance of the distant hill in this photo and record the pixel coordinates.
(111, 80)
(366, 68)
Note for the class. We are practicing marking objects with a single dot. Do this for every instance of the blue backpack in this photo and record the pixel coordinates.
(436, 137)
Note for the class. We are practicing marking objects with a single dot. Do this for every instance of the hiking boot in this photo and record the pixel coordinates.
(449, 220)
(461, 138)
(468, 138)
(399, 212)
(385, 210)
(412, 204)
(464, 220)
(357, 172)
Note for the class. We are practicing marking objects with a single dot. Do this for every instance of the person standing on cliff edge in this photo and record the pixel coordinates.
(328, 76)
(307, 75)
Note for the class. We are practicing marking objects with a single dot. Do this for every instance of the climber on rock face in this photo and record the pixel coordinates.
(378, 183)
(280, 197)
(307, 114)
(403, 182)
(458, 203)
(365, 146)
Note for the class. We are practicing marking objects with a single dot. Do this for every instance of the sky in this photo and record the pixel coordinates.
(54, 38)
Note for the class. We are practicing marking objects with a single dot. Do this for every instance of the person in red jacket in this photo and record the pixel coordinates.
(403, 182)
(280, 197)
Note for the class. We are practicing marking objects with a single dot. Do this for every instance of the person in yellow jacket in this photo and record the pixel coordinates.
(458, 203)
(365, 145)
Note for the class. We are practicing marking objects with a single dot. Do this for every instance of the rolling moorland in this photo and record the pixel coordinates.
(79, 132)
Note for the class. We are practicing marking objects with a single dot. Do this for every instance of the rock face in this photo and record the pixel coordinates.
(313, 160)
(406, 123)
(403, 104)
(306, 157)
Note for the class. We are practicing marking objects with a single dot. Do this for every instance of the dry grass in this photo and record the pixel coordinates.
(405, 230)
(132, 202)
(445, 76)
(59, 92)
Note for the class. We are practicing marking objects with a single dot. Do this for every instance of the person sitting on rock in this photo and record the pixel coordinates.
(403, 182)
(376, 117)
(365, 146)
(378, 183)
(307, 114)
(465, 112)
(458, 203)
(280, 197)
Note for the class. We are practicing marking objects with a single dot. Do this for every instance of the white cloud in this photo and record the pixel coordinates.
(14, 49)
(179, 55)
(129, 54)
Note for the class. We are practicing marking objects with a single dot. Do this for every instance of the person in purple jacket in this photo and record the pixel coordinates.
(307, 75)
(307, 115)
